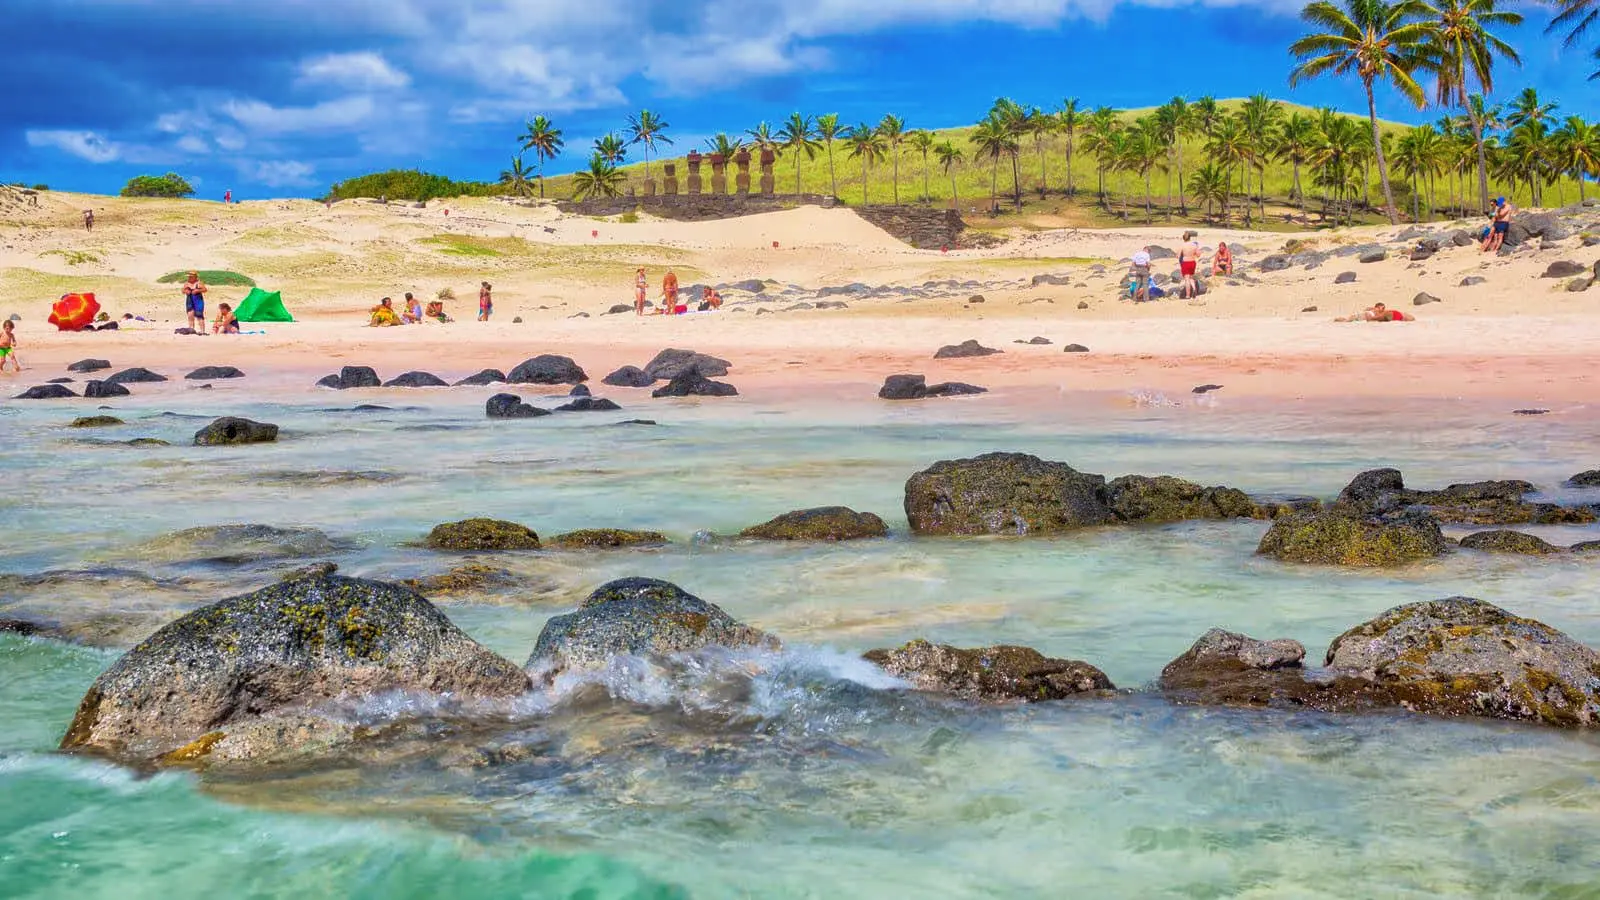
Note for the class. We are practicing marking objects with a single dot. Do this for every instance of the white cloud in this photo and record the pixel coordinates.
(278, 173)
(87, 145)
(343, 114)
(360, 71)
(190, 143)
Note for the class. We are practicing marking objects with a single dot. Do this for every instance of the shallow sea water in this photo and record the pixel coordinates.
(793, 774)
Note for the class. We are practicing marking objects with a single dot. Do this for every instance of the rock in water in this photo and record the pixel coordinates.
(481, 534)
(589, 404)
(212, 373)
(486, 377)
(824, 523)
(954, 389)
(89, 365)
(638, 616)
(1335, 537)
(234, 430)
(510, 406)
(1163, 498)
(97, 390)
(904, 387)
(416, 380)
(692, 384)
(1461, 656)
(236, 545)
(629, 376)
(1590, 478)
(989, 673)
(1004, 493)
(1508, 542)
(964, 349)
(46, 392)
(606, 539)
(220, 669)
(547, 369)
(1225, 668)
(95, 422)
(670, 363)
(351, 377)
(135, 375)
(580, 390)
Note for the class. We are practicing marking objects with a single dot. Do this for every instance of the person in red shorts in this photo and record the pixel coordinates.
(1188, 263)
(1377, 312)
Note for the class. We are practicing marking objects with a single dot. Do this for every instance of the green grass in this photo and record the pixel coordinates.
(466, 245)
(76, 257)
(213, 277)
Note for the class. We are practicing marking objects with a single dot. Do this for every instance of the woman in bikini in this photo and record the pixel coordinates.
(226, 323)
(485, 302)
(1188, 263)
(1222, 260)
(641, 284)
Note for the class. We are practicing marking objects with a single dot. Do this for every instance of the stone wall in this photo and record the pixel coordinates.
(918, 226)
(922, 227)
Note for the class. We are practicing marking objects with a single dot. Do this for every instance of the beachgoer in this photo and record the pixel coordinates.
(227, 196)
(713, 300)
(1222, 260)
(1188, 263)
(1140, 274)
(413, 310)
(226, 323)
(88, 220)
(641, 284)
(436, 311)
(1500, 226)
(1378, 312)
(194, 302)
(8, 346)
(669, 290)
(485, 302)
(383, 315)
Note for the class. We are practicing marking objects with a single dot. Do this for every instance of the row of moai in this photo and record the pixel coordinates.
(719, 175)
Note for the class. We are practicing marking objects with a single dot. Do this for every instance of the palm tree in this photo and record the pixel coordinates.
(1101, 124)
(1070, 118)
(866, 144)
(1176, 118)
(1210, 185)
(1143, 153)
(610, 148)
(1467, 52)
(516, 178)
(1206, 115)
(1296, 139)
(1528, 108)
(723, 145)
(1578, 150)
(544, 139)
(1230, 148)
(828, 130)
(1040, 127)
(799, 137)
(1528, 148)
(949, 157)
(1259, 118)
(1377, 41)
(993, 140)
(762, 138)
(1579, 16)
(893, 129)
(1017, 122)
(601, 179)
(648, 129)
(1336, 158)
(921, 141)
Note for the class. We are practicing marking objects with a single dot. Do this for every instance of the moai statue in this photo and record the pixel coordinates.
(741, 181)
(767, 159)
(694, 172)
(670, 181)
(719, 174)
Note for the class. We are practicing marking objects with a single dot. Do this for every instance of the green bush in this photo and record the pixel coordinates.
(629, 218)
(170, 185)
(41, 187)
(409, 184)
(212, 277)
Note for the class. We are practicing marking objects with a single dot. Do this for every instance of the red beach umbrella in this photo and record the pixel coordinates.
(73, 312)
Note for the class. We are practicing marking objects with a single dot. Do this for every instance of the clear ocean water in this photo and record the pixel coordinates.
(802, 773)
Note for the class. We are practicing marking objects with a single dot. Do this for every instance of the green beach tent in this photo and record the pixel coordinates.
(261, 306)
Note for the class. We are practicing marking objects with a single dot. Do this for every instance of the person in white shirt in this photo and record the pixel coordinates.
(1140, 273)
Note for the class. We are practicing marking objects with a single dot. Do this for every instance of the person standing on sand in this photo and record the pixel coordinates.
(194, 302)
(227, 197)
(88, 220)
(1188, 263)
(669, 289)
(485, 302)
(641, 285)
(1499, 227)
(1140, 273)
(8, 346)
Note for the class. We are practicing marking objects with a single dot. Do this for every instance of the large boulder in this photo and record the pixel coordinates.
(204, 686)
(135, 375)
(954, 389)
(1534, 226)
(1004, 493)
(46, 392)
(963, 350)
(99, 390)
(351, 377)
(670, 363)
(1225, 668)
(629, 376)
(1382, 492)
(1334, 537)
(481, 534)
(1163, 498)
(213, 373)
(1589, 478)
(824, 523)
(1564, 268)
(234, 430)
(547, 369)
(1508, 542)
(638, 616)
(1000, 673)
(904, 387)
(693, 384)
(89, 365)
(416, 380)
(606, 539)
(588, 404)
(510, 406)
(486, 377)
(1461, 656)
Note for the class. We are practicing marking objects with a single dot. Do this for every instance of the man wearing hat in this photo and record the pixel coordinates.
(1501, 225)
(194, 302)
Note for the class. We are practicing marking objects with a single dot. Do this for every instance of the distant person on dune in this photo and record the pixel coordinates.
(383, 315)
(641, 286)
(1500, 225)
(227, 197)
(669, 290)
(485, 302)
(8, 346)
(226, 323)
(1222, 260)
(194, 302)
(1377, 312)
(413, 312)
(1188, 263)
(88, 220)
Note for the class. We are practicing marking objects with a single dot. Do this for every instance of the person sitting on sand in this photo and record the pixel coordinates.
(1499, 227)
(1222, 260)
(711, 299)
(1377, 312)
(1188, 264)
(485, 302)
(641, 285)
(383, 314)
(8, 346)
(1139, 272)
(669, 289)
(226, 323)
(413, 311)
(436, 311)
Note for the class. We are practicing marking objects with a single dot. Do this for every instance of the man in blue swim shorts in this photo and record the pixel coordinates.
(1499, 227)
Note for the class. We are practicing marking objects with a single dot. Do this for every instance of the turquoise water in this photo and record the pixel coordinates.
(792, 774)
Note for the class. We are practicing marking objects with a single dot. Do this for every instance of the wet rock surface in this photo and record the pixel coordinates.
(671, 363)
(235, 545)
(629, 376)
(1164, 498)
(510, 406)
(485, 377)
(351, 377)
(1382, 492)
(606, 539)
(1004, 493)
(993, 674)
(823, 523)
(1508, 542)
(46, 392)
(1338, 537)
(96, 422)
(89, 365)
(964, 350)
(135, 375)
(547, 369)
(693, 384)
(481, 534)
(588, 404)
(416, 380)
(234, 430)
(96, 390)
(213, 373)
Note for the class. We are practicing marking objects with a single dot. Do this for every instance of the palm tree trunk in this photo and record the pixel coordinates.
(541, 176)
(1069, 164)
(863, 181)
(832, 176)
(1148, 218)
(1483, 164)
(994, 186)
(1044, 176)
(1183, 202)
(1383, 167)
(955, 199)
(927, 193)
(1016, 178)
(1299, 192)
(797, 176)
(1261, 182)
(1169, 195)
(896, 153)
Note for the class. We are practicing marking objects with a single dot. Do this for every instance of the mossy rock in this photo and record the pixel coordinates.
(998, 673)
(1004, 493)
(823, 523)
(1335, 538)
(607, 539)
(482, 534)
(96, 422)
(1163, 498)
(466, 579)
(1508, 542)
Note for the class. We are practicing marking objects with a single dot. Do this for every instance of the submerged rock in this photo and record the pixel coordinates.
(641, 617)
(692, 384)
(671, 363)
(486, 377)
(963, 350)
(955, 389)
(904, 387)
(1004, 493)
(1332, 537)
(352, 377)
(481, 534)
(470, 578)
(89, 365)
(197, 688)
(96, 422)
(416, 380)
(1508, 542)
(629, 376)
(823, 523)
(101, 389)
(1382, 492)
(1590, 478)
(997, 673)
(212, 373)
(606, 539)
(234, 430)
(46, 392)
(510, 406)
(135, 375)
(588, 404)
(547, 368)
(1164, 498)
(236, 544)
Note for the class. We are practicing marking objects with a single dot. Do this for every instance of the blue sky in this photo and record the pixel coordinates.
(283, 98)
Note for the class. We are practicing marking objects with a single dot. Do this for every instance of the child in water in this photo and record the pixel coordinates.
(8, 346)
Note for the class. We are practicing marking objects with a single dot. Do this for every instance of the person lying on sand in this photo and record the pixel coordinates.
(1377, 312)
(226, 323)
(8, 346)
(384, 315)
(413, 313)
(1222, 260)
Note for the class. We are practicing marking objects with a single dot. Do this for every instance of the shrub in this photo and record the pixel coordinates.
(629, 218)
(171, 185)
(212, 277)
(41, 187)
(445, 294)
(408, 184)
